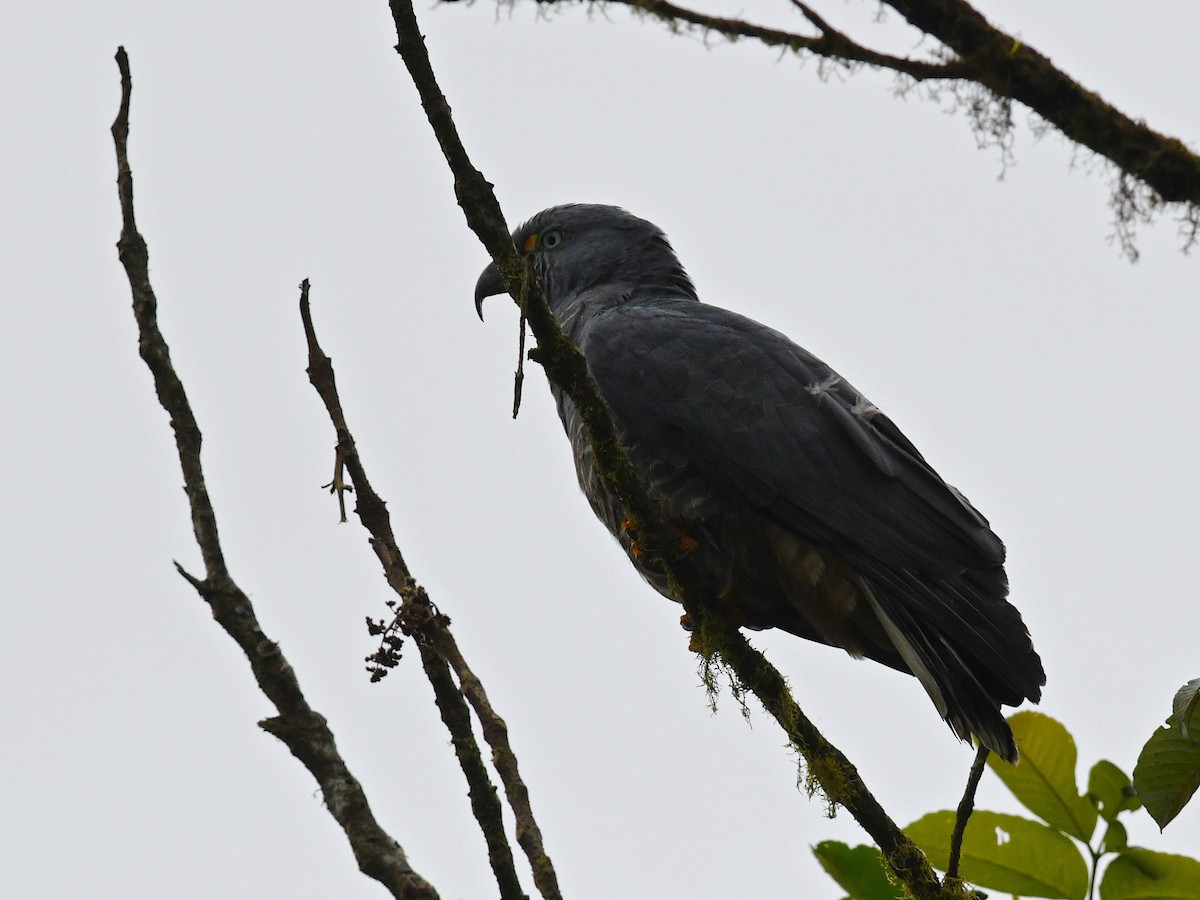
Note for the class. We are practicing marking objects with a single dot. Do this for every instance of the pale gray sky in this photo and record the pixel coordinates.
(1052, 381)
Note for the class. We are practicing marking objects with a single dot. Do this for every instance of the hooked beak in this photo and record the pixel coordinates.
(490, 283)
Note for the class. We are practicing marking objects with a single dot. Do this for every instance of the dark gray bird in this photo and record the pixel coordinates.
(804, 507)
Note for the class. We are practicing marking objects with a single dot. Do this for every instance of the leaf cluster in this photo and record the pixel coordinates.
(1059, 854)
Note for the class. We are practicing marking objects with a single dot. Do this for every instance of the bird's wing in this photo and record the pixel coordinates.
(753, 415)
(743, 413)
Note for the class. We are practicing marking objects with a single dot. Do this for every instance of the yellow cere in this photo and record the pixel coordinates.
(531, 243)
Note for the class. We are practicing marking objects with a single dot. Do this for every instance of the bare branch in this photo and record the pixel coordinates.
(965, 807)
(1002, 69)
(484, 802)
(300, 727)
(495, 732)
(565, 367)
(430, 629)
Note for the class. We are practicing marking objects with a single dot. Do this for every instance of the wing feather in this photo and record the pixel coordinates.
(757, 416)
(738, 408)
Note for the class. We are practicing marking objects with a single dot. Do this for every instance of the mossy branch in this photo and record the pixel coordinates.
(1012, 69)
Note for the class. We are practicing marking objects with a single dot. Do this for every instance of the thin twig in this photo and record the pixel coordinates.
(566, 368)
(300, 727)
(965, 807)
(830, 43)
(519, 376)
(421, 620)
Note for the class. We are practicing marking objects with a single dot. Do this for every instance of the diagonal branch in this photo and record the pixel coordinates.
(484, 802)
(1009, 68)
(1005, 66)
(421, 620)
(495, 732)
(298, 725)
(565, 367)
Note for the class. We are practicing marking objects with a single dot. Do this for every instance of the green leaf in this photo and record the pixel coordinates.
(1111, 790)
(859, 870)
(1146, 875)
(1044, 780)
(1168, 770)
(1007, 853)
(1184, 706)
(1116, 838)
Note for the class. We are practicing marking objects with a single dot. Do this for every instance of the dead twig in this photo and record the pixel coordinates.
(443, 662)
(298, 725)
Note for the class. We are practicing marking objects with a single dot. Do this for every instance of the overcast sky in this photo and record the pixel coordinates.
(1039, 371)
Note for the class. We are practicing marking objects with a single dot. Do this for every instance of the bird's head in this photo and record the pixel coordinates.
(580, 247)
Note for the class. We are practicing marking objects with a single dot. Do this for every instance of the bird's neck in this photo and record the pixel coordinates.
(578, 308)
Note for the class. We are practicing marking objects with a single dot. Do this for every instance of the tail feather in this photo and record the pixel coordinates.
(971, 653)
